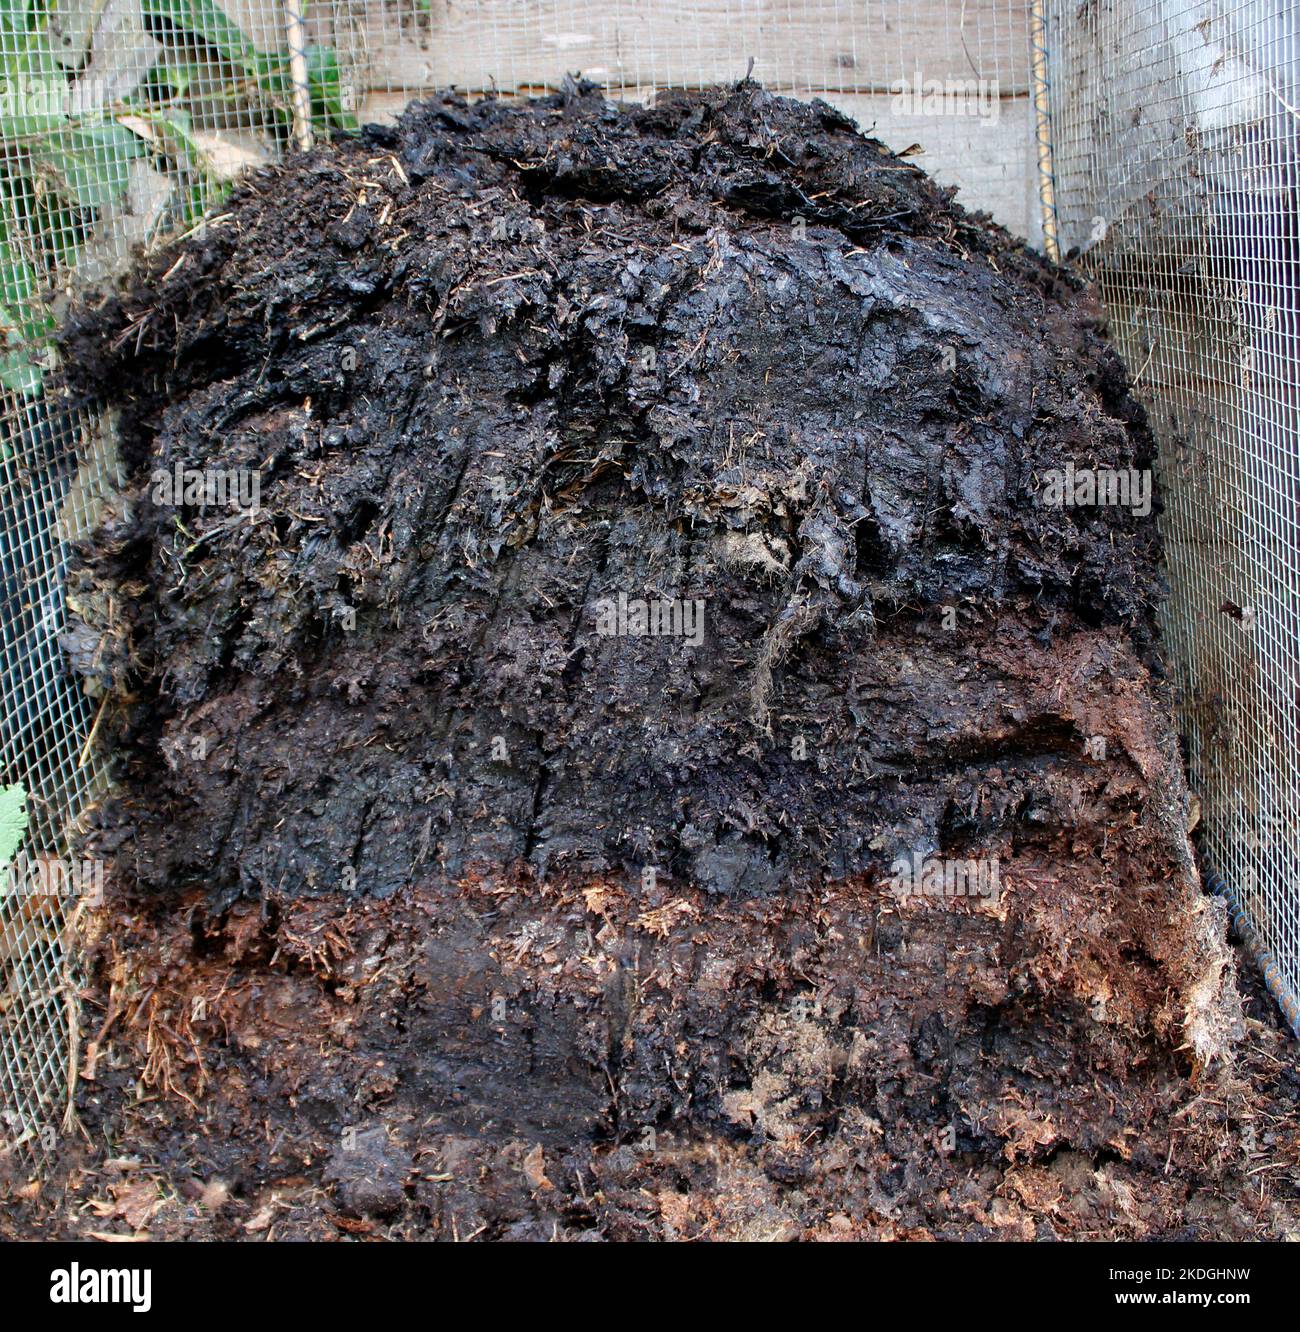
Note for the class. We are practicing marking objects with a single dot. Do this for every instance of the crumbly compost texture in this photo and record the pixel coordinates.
(433, 892)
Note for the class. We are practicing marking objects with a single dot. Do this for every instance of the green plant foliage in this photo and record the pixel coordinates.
(59, 173)
(330, 102)
(23, 321)
(207, 22)
(92, 162)
(13, 821)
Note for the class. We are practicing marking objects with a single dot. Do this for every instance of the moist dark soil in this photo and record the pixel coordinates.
(437, 910)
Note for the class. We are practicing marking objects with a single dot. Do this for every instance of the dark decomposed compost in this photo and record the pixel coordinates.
(580, 570)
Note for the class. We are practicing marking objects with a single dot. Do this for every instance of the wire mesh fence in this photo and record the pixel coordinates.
(1175, 146)
(122, 121)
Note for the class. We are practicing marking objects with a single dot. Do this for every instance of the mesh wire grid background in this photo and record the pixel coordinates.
(1176, 145)
(122, 120)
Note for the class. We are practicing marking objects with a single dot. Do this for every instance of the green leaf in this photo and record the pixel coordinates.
(62, 229)
(13, 15)
(24, 322)
(329, 97)
(17, 286)
(28, 126)
(325, 80)
(13, 821)
(176, 135)
(34, 90)
(178, 75)
(21, 373)
(91, 161)
(200, 197)
(207, 21)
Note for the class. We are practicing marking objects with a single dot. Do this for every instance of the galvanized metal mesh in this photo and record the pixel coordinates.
(1175, 161)
(44, 721)
(121, 122)
(1166, 130)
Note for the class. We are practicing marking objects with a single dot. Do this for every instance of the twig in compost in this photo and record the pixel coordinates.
(94, 731)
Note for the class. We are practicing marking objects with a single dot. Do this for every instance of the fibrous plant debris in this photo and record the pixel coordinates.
(446, 895)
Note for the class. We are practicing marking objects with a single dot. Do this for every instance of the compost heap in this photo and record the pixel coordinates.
(438, 885)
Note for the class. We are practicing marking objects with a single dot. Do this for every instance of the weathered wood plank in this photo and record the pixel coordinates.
(839, 45)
